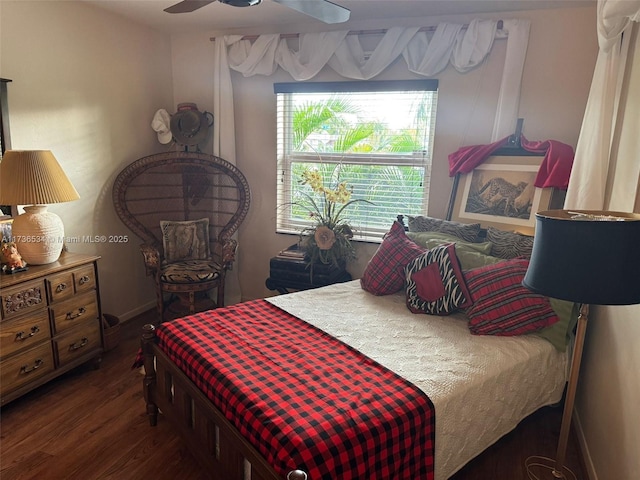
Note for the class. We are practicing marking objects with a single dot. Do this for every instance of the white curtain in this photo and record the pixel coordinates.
(224, 137)
(592, 169)
(509, 97)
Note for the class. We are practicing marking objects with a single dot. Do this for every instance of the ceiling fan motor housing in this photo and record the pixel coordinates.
(323, 10)
(241, 3)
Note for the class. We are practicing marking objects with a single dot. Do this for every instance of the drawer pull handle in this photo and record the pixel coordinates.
(37, 364)
(77, 346)
(61, 287)
(71, 316)
(22, 337)
(84, 279)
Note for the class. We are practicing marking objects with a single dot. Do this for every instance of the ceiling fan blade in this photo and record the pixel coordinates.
(324, 10)
(187, 6)
(241, 3)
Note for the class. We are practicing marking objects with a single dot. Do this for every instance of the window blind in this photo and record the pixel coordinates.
(376, 136)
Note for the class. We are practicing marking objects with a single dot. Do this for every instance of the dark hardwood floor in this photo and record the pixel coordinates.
(91, 424)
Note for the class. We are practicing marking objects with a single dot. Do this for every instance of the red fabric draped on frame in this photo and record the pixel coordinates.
(303, 398)
(554, 170)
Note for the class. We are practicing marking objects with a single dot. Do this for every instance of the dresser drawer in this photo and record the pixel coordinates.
(84, 279)
(23, 332)
(76, 311)
(26, 367)
(26, 297)
(60, 286)
(77, 342)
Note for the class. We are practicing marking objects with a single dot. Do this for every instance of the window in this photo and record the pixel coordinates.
(375, 136)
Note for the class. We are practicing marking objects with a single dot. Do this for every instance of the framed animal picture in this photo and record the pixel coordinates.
(500, 193)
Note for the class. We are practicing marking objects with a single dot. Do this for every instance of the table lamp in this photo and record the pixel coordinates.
(35, 178)
(590, 258)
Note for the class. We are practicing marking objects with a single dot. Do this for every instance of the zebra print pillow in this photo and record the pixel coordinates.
(435, 283)
(463, 231)
(509, 244)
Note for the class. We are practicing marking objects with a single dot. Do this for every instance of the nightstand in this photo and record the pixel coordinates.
(289, 271)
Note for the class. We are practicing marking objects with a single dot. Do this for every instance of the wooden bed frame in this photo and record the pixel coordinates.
(211, 438)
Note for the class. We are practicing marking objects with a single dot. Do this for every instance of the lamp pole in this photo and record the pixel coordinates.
(569, 401)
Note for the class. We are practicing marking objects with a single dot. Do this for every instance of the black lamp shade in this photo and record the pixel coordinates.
(586, 256)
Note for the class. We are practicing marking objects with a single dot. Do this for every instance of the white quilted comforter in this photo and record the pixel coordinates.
(481, 386)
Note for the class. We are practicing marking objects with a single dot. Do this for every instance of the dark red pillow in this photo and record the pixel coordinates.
(501, 305)
(384, 274)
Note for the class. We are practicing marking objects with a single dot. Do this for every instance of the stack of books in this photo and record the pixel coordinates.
(294, 252)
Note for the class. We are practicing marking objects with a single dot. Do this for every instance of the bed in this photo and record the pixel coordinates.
(463, 390)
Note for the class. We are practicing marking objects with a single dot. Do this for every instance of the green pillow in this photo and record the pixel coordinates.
(559, 333)
(470, 259)
(433, 239)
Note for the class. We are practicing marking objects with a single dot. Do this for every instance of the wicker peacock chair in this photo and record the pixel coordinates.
(185, 206)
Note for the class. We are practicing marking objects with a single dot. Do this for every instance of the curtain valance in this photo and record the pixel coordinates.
(463, 48)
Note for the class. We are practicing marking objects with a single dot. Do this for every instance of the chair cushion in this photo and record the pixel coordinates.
(187, 240)
(190, 271)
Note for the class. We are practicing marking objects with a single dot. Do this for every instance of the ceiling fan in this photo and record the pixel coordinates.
(323, 10)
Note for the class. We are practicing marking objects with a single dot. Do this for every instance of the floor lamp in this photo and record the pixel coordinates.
(587, 257)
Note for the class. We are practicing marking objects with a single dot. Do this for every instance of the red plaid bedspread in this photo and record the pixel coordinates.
(303, 398)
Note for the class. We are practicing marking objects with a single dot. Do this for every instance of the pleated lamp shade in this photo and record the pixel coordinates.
(35, 178)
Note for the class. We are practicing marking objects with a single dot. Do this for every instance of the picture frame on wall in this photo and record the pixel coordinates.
(500, 193)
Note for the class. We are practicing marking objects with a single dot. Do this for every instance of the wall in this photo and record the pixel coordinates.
(609, 385)
(85, 86)
(560, 61)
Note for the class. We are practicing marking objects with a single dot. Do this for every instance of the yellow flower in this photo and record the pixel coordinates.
(330, 195)
(325, 237)
(314, 179)
(343, 194)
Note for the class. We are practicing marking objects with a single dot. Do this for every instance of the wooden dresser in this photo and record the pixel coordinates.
(50, 322)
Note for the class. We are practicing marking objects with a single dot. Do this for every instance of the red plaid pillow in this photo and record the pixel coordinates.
(384, 274)
(501, 305)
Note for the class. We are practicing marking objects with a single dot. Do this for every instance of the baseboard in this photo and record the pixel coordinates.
(125, 317)
(584, 448)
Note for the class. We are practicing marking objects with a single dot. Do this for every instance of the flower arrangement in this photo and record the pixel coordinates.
(328, 241)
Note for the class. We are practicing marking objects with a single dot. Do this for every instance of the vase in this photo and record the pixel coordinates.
(38, 234)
